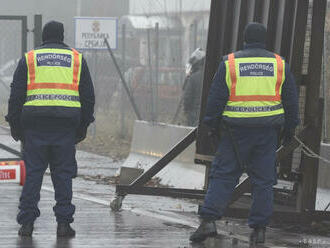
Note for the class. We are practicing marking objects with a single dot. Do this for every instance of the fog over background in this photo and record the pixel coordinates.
(152, 60)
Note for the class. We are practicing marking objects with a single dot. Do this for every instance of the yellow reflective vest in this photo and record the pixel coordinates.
(255, 87)
(53, 78)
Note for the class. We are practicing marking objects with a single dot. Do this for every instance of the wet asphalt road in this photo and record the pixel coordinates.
(145, 221)
(96, 226)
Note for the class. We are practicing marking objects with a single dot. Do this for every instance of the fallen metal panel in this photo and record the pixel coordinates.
(152, 141)
(175, 151)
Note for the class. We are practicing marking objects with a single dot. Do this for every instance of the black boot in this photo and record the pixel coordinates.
(65, 230)
(26, 230)
(206, 229)
(258, 235)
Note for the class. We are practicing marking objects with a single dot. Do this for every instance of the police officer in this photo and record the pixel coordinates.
(192, 87)
(50, 107)
(253, 95)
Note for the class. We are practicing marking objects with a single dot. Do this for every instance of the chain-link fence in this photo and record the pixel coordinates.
(152, 52)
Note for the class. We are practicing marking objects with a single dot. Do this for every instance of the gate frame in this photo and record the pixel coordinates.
(37, 42)
(24, 31)
(220, 35)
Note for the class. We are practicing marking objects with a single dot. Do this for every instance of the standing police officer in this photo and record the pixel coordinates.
(254, 95)
(50, 107)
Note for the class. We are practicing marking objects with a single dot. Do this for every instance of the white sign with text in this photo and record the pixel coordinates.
(90, 32)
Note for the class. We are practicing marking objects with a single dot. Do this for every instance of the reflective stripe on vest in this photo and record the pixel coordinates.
(255, 86)
(53, 77)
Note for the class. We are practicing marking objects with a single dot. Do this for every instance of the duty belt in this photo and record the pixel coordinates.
(53, 97)
(253, 109)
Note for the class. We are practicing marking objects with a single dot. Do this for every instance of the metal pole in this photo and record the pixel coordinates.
(24, 35)
(156, 69)
(37, 31)
(313, 110)
(122, 107)
(136, 111)
(325, 89)
(152, 114)
(195, 35)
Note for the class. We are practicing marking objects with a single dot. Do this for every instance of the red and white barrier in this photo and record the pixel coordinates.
(12, 171)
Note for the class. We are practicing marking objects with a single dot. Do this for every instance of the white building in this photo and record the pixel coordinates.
(192, 14)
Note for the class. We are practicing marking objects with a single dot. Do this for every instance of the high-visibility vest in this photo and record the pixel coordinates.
(255, 87)
(53, 78)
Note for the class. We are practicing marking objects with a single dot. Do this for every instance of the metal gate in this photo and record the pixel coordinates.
(295, 31)
(13, 44)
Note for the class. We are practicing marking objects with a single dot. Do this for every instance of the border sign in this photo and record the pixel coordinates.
(91, 31)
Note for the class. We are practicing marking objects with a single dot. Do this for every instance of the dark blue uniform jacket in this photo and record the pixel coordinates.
(219, 95)
(18, 96)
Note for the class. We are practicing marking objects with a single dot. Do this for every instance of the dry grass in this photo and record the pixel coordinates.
(105, 137)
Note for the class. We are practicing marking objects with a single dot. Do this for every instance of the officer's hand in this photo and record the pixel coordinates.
(213, 133)
(15, 134)
(81, 134)
(287, 136)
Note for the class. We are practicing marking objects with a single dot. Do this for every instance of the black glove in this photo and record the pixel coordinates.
(287, 136)
(16, 134)
(214, 133)
(81, 134)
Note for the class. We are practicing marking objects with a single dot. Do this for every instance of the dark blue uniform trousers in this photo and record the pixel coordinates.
(56, 149)
(257, 149)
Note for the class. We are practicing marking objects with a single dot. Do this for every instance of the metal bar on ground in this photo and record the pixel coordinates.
(9, 159)
(130, 97)
(171, 192)
(282, 216)
(10, 150)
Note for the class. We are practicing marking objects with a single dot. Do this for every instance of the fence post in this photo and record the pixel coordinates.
(122, 99)
(37, 31)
